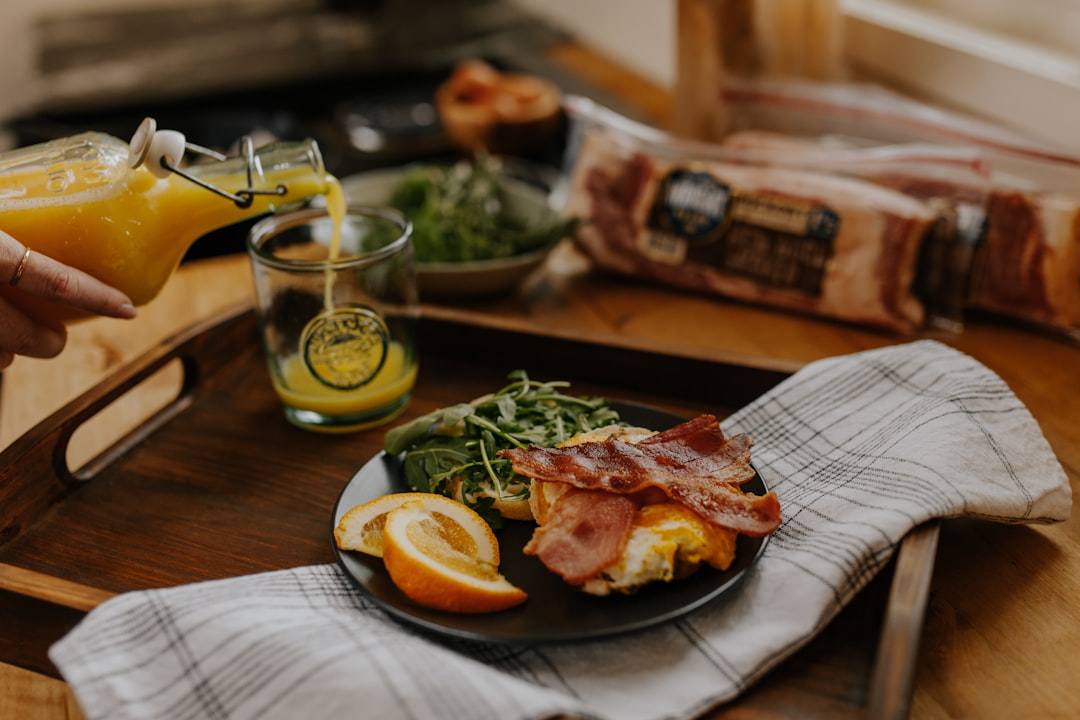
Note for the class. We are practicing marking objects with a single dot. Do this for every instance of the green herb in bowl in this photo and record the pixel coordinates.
(468, 212)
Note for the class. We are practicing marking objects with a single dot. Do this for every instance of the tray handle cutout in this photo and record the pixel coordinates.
(35, 470)
(161, 394)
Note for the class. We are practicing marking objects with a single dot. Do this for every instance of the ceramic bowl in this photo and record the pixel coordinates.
(525, 201)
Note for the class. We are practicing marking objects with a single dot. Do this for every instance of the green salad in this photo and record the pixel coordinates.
(460, 213)
(460, 442)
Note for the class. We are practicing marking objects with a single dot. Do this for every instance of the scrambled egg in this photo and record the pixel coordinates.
(668, 542)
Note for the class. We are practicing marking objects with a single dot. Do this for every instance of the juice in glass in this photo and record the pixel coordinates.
(390, 387)
(337, 303)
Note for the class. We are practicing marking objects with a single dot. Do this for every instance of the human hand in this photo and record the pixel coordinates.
(46, 278)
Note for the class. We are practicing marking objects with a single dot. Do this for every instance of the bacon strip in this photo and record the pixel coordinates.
(698, 448)
(587, 531)
(692, 463)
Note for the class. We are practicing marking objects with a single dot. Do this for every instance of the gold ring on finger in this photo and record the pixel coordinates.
(19, 270)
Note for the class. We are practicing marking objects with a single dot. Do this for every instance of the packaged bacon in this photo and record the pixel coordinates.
(808, 236)
(955, 181)
(1027, 263)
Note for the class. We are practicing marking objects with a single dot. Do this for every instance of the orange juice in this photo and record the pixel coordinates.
(338, 320)
(391, 388)
(125, 226)
(336, 208)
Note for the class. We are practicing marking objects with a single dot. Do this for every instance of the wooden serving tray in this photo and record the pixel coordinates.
(216, 483)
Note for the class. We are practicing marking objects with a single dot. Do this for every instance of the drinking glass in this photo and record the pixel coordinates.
(338, 314)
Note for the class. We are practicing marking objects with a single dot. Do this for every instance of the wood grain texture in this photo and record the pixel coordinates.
(30, 390)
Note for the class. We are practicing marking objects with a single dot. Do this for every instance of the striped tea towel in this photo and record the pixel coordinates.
(860, 449)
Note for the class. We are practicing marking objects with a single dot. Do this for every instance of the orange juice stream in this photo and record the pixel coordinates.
(336, 208)
(298, 388)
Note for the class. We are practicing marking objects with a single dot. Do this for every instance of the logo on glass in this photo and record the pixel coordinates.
(346, 347)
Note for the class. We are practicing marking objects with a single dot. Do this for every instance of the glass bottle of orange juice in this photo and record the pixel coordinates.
(127, 213)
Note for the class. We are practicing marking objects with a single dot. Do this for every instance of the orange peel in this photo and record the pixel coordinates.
(446, 557)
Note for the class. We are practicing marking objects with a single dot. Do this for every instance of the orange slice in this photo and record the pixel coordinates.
(361, 528)
(446, 559)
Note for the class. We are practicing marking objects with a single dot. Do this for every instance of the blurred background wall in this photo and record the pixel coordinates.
(640, 34)
(35, 33)
(1015, 61)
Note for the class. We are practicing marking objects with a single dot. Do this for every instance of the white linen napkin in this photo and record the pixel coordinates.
(860, 449)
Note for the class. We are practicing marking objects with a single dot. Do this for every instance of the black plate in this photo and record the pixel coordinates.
(555, 611)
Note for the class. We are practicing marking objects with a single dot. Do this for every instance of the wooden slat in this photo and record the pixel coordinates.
(58, 591)
(898, 649)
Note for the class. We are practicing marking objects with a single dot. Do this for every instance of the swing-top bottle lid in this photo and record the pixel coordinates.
(160, 150)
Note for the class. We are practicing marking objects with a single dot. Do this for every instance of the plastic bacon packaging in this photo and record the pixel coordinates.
(812, 231)
(1026, 264)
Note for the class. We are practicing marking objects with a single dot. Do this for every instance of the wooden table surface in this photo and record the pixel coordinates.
(1004, 615)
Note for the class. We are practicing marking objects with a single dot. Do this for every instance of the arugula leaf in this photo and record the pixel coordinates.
(461, 442)
(402, 436)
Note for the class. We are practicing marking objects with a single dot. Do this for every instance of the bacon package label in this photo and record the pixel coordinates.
(780, 242)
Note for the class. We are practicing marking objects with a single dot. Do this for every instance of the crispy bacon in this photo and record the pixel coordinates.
(587, 532)
(692, 463)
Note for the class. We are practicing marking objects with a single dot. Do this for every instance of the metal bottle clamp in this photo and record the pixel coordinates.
(165, 149)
